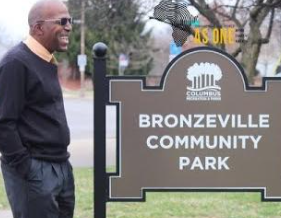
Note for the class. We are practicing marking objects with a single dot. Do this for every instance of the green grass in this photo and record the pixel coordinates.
(3, 199)
(197, 205)
(169, 205)
(84, 193)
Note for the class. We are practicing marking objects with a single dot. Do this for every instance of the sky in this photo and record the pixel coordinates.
(13, 17)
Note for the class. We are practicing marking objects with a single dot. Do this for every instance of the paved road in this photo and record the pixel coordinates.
(80, 118)
(79, 114)
(6, 214)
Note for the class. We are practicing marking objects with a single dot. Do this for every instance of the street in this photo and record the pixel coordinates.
(80, 118)
(79, 114)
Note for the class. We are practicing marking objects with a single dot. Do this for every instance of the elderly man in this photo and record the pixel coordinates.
(34, 134)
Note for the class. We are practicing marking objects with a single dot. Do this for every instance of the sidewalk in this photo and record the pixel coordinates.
(81, 153)
(6, 214)
(67, 93)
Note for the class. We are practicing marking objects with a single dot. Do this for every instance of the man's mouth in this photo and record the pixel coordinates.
(64, 39)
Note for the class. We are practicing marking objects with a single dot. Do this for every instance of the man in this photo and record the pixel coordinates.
(34, 134)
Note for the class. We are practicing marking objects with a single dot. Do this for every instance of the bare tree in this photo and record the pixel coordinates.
(247, 14)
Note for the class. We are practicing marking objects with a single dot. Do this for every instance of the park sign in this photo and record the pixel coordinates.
(202, 129)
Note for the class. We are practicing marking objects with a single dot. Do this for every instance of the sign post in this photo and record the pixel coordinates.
(101, 98)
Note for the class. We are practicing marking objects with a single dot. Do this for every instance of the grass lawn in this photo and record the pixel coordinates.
(170, 205)
(197, 205)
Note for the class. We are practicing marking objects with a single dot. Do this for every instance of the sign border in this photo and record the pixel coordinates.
(145, 87)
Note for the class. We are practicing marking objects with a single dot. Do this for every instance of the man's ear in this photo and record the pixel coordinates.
(38, 29)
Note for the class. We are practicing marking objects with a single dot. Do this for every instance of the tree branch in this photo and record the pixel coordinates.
(236, 52)
(192, 32)
(258, 7)
(264, 41)
(235, 9)
(236, 21)
(186, 28)
(269, 31)
(247, 7)
(203, 8)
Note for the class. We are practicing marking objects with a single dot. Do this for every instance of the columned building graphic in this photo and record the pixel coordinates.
(204, 75)
(203, 80)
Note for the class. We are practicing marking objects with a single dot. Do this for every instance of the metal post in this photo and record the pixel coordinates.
(100, 100)
(82, 48)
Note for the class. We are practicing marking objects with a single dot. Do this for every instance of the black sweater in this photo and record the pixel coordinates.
(32, 116)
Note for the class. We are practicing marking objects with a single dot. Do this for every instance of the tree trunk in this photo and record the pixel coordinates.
(250, 52)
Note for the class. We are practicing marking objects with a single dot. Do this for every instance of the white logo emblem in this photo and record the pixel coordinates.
(204, 77)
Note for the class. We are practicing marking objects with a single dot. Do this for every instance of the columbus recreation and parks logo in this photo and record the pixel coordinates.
(204, 78)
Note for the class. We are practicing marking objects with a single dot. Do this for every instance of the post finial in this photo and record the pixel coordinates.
(99, 50)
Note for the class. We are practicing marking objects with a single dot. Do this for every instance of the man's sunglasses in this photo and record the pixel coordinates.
(61, 21)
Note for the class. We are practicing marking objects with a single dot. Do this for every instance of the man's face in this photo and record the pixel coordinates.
(55, 35)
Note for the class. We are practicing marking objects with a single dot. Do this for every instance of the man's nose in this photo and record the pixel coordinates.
(68, 26)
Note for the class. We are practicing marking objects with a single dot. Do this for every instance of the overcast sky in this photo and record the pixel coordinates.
(13, 17)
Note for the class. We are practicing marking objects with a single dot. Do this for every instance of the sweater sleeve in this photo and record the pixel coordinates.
(12, 100)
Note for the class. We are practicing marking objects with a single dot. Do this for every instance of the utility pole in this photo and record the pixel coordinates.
(82, 47)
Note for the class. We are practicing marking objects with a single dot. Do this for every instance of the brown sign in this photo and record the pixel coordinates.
(204, 128)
